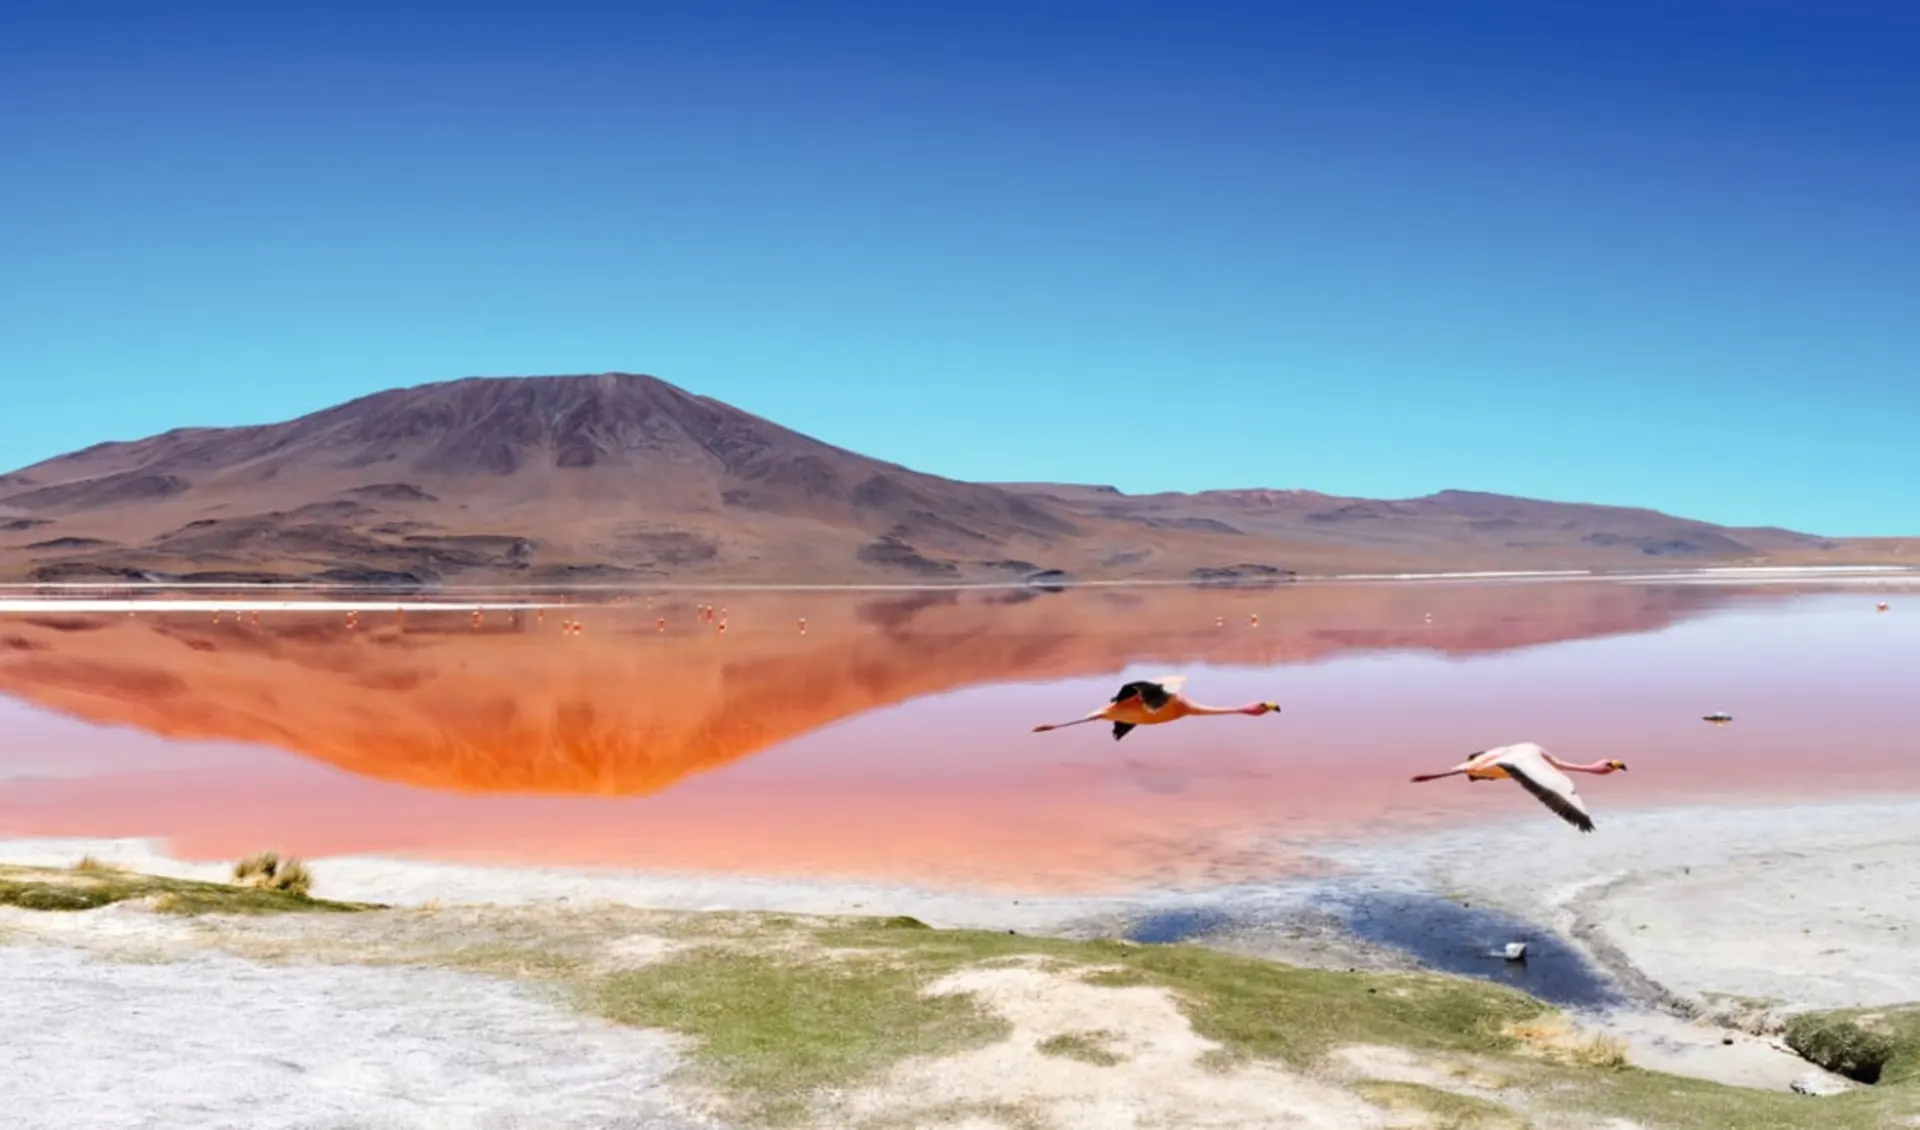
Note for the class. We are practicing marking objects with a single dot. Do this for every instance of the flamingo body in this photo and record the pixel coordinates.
(1154, 702)
(1537, 771)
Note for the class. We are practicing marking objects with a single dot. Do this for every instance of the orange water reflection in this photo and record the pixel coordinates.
(889, 740)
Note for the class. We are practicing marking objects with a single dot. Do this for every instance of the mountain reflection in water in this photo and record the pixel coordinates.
(890, 737)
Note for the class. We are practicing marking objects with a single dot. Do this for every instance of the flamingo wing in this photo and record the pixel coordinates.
(1121, 729)
(1153, 695)
(1548, 785)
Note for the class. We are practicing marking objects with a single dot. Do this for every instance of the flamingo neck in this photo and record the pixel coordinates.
(1255, 708)
(1598, 768)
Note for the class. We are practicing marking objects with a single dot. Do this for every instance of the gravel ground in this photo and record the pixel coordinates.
(212, 1042)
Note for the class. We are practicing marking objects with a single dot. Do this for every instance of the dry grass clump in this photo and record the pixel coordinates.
(268, 872)
(92, 885)
(1597, 1050)
(1551, 1037)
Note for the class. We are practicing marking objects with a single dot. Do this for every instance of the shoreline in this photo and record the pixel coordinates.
(1663, 902)
(1800, 905)
(1898, 574)
(1689, 966)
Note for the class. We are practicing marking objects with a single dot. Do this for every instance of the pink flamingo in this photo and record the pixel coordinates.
(1150, 702)
(1538, 772)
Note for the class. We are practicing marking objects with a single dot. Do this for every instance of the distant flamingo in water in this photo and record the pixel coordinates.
(1538, 772)
(1150, 702)
(1880, 607)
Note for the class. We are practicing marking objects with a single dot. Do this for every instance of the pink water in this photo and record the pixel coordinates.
(941, 781)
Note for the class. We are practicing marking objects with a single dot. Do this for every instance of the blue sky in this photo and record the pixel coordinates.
(1661, 254)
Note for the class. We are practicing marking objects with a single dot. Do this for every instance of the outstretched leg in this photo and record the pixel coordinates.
(1044, 727)
(1453, 772)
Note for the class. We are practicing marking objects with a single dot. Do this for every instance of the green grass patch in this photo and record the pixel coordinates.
(1871, 1045)
(1445, 1110)
(775, 1030)
(1254, 1007)
(1087, 1047)
(94, 885)
(1670, 1102)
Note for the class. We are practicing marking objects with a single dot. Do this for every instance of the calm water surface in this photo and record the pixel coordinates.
(890, 739)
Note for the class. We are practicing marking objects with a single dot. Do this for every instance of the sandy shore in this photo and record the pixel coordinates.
(1724, 916)
(407, 882)
(1807, 906)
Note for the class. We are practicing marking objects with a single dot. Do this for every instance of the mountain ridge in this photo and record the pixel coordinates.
(629, 478)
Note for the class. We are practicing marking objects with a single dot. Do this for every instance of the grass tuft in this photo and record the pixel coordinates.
(1554, 1039)
(1866, 1045)
(77, 889)
(267, 871)
(1598, 1050)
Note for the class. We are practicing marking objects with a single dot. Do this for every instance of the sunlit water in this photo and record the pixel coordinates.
(890, 737)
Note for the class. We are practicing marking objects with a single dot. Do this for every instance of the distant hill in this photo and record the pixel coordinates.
(626, 478)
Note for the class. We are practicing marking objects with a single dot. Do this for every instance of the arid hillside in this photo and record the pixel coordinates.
(619, 478)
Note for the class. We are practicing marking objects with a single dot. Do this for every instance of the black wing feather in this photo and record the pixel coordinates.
(1120, 730)
(1551, 799)
(1153, 694)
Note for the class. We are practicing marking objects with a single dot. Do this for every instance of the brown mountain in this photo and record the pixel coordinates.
(618, 477)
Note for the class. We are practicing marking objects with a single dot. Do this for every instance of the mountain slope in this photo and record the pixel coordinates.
(620, 477)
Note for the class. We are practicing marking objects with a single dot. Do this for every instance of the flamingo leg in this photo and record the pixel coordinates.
(1453, 772)
(1045, 726)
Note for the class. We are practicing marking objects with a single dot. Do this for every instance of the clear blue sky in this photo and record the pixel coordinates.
(1646, 253)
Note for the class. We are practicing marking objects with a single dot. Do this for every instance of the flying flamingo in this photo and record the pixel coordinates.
(1538, 772)
(1150, 702)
